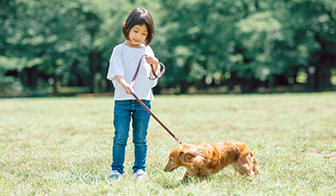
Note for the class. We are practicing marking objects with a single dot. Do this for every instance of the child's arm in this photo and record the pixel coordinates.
(154, 61)
(124, 84)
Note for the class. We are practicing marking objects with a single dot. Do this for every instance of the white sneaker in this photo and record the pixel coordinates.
(140, 174)
(115, 174)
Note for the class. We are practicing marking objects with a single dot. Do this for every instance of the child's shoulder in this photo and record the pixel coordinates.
(126, 51)
(125, 47)
(118, 47)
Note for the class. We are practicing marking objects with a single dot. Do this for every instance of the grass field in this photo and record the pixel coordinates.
(62, 146)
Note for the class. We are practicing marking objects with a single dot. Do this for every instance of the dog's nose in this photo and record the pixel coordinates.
(165, 170)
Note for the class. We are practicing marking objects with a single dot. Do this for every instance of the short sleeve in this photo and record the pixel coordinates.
(116, 66)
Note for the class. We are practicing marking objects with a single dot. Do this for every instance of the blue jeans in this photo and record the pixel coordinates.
(124, 111)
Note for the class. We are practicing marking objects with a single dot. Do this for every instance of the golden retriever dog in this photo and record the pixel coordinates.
(204, 159)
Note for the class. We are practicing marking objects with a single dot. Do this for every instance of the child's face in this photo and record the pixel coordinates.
(137, 34)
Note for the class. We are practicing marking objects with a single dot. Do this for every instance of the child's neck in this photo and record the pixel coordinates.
(129, 44)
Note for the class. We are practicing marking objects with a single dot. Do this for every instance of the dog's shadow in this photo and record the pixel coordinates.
(184, 182)
(194, 180)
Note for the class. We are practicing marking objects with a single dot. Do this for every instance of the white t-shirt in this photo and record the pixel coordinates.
(124, 61)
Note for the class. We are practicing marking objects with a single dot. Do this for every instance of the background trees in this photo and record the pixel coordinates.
(55, 44)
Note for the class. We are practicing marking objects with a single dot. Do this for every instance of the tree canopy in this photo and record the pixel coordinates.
(215, 43)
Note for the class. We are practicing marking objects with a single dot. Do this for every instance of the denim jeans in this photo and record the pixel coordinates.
(124, 111)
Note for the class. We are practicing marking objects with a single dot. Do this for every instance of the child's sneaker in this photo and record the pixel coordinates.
(115, 174)
(140, 174)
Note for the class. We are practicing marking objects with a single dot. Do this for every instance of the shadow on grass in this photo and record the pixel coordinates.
(194, 180)
(179, 183)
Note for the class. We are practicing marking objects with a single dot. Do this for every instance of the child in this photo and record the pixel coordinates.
(138, 30)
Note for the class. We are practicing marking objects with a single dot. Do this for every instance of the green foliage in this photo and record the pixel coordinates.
(200, 42)
(62, 146)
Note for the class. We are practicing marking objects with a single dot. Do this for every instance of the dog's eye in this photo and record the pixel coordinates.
(170, 159)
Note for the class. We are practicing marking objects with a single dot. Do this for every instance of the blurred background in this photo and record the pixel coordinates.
(62, 47)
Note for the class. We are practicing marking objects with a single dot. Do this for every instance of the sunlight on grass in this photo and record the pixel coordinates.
(63, 145)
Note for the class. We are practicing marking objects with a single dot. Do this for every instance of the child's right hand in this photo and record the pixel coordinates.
(128, 88)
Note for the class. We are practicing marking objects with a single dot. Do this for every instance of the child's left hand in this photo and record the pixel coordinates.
(152, 60)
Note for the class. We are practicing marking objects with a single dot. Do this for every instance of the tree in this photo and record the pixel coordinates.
(50, 40)
(198, 38)
(315, 34)
(202, 43)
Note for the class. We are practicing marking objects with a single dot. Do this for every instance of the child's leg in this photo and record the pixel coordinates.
(140, 125)
(122, 118)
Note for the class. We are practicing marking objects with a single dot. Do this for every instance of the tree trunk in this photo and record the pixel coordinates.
(323, 72)
(94, 61)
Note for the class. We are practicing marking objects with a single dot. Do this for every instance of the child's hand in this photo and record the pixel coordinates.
(128, 88)
(152, 60)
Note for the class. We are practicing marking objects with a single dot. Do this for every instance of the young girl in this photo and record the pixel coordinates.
(138, 30)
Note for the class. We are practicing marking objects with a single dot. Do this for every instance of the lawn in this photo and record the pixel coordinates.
(62, 146)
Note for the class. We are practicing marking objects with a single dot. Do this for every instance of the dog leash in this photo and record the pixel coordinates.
(143, 105)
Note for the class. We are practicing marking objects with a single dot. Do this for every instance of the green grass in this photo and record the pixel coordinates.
(62, 146)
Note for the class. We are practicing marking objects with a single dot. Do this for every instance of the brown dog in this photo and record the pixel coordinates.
(204, 159)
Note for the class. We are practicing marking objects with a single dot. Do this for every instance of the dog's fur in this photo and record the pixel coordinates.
(204, 159)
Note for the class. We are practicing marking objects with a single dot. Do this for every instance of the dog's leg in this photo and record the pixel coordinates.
(237, 169)
(185, 175)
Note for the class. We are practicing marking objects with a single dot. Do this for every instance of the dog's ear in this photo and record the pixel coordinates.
(187, 155)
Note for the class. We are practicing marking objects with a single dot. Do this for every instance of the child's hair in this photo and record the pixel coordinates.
(140, 16)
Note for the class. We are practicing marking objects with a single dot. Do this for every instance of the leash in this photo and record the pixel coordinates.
(142, 103)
